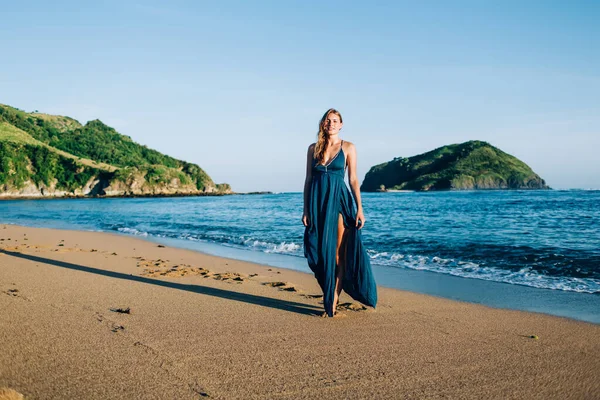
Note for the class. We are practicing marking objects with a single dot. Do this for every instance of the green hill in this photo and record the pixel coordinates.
(470, 165)
(53, 155)
(11, 134)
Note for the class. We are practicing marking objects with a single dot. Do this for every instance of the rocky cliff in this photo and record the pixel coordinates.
(52, 156)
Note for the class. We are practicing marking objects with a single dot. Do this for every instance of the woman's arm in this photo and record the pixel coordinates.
(353, 180)
(307, 182)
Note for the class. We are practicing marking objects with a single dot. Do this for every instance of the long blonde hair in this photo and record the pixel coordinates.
(322, 137)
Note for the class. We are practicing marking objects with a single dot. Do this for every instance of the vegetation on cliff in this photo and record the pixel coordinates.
(58, 153)
(470, 165)
(21, 163)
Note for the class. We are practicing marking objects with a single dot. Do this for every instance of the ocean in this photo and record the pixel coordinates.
(488, 247)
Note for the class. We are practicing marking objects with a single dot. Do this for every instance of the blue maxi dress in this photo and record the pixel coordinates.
(329, 197)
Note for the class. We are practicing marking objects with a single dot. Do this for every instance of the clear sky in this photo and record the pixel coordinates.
(238, 87)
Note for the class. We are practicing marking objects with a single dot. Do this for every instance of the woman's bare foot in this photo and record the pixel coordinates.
(336, 314)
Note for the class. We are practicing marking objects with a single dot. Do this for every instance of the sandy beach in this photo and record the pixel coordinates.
(90, 315)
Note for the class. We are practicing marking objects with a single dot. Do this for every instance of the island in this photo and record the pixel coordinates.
(466, 166)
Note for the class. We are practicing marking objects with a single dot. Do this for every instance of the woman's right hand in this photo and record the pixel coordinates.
(305, 220)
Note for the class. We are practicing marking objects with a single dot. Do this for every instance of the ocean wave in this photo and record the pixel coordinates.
(525, 276)
(132, 231)
(268, 247)
(244, 242)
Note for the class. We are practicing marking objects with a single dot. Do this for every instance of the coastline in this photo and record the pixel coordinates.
(569, 304)
(205, 325)
(253, 193)
(129, 196)
(488, 292)
(119, 196)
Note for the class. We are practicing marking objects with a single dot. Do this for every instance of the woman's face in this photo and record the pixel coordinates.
(332, 124)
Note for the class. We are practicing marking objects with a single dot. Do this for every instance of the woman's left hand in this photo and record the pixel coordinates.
(360, 219)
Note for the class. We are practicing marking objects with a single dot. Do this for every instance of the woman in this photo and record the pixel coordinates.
(332, 239)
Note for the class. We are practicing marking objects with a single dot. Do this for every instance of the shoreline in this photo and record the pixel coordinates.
(123, 196)
(502, 295)
(204, 325)
(253, 193)
(129, 196)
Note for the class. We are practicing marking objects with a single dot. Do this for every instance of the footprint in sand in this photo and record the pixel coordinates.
(313, 296)
(282, 286)
(351, 307)
(143, 263)
(14, 292)
(156, 268)
(13, 248)
(20, 247)
(274, 284)
(68, 249)
(175, 272)
(121, 310)
(229, 276)
(112, 325)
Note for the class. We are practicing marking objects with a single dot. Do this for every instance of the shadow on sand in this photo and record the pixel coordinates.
(285, 305)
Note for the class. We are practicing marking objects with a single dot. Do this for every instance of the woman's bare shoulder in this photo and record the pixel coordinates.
(348, 146)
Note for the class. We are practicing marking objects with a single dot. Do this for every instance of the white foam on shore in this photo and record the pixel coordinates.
(246, 243)
(278, 248)
(525, 276)
(132, 231)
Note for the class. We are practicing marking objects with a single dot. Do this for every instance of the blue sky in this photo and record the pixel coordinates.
(239, 87)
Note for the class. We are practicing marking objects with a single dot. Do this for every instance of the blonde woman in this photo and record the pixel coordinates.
(332, 239)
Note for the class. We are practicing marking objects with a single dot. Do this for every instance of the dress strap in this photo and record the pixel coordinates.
(341, 150)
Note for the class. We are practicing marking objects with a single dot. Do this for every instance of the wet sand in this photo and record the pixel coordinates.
(101, 316)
